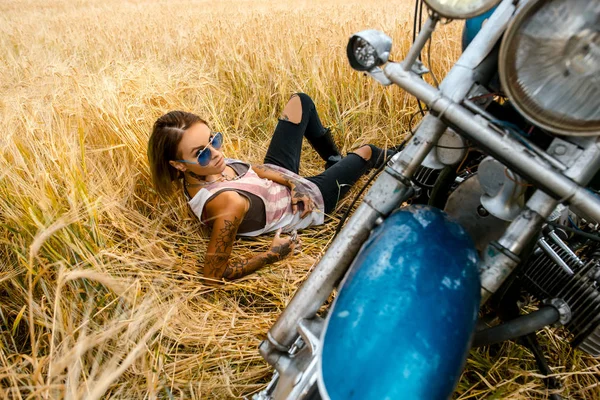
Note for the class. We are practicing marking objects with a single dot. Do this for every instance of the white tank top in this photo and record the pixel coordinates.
(275, 197)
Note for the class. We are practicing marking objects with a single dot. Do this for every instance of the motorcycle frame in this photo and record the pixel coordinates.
(393, 186)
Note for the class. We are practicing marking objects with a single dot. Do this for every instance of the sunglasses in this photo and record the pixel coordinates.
(204, 155)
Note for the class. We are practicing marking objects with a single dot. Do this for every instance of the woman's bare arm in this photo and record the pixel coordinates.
(227, 210)
(298, 196)
(265, 172)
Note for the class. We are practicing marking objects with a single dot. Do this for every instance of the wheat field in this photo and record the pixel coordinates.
(100, 295)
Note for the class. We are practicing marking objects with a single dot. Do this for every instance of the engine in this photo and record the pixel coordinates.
(555, 271)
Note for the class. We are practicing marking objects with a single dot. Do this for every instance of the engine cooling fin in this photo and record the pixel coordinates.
(545, 279)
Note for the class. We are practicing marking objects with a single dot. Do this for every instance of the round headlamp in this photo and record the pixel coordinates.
(550, 65)
(368, 49)
(461, 9)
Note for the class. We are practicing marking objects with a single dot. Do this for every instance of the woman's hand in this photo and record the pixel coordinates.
(283, 247)
(300, 196)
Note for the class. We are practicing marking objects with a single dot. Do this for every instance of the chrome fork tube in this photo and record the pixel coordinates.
(502, 257)
(388, 191)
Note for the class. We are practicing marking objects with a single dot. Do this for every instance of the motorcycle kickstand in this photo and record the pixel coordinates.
(531, 342)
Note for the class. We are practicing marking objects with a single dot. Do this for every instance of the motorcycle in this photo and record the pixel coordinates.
(502, 177)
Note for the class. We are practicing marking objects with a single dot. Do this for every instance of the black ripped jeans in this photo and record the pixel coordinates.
(286, 146)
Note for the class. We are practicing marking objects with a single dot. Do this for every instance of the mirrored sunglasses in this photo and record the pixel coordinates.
(204, 156)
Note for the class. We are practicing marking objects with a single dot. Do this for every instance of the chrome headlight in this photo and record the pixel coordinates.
(461, 9)
(368, 49)
(550, 65)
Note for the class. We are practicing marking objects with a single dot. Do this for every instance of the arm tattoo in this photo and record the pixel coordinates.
(213, 263)
(244, 267)
(300, 195)
(217, 264)
(227, 235)
(236, 270)
(288, 181)
(271, 258)
(281, 251)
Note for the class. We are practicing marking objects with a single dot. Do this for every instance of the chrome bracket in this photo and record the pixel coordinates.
(310, 331)
(563, 310)
(419, 68)
(564, 151)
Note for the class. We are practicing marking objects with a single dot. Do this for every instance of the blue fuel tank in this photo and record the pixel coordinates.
(402, 323)
(473, 26)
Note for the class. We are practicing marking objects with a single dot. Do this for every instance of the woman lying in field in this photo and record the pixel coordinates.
(237, 198)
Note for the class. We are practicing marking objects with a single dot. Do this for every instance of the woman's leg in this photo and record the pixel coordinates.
(336, 181)
(299, 119)
(319, 138)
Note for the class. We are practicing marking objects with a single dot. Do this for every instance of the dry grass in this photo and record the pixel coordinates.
(99, 291)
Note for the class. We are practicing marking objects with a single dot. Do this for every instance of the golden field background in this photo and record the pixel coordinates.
(100, 295)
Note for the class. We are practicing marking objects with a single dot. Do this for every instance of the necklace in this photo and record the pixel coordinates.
(223, 178)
